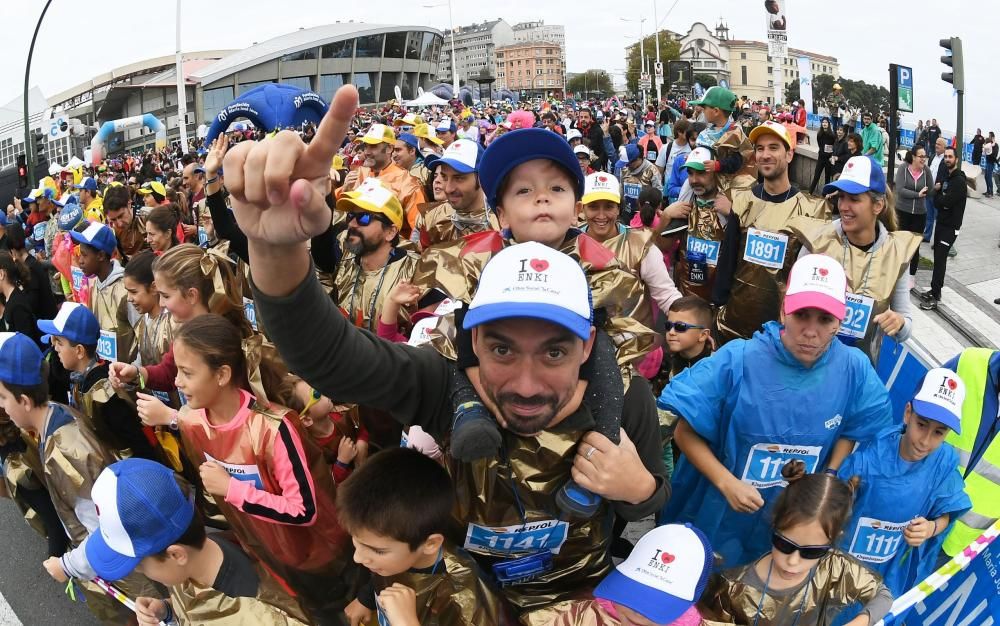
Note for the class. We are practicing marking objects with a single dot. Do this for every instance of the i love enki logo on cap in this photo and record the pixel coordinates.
(946, 390)
(820, 274)
(661, 560)
(533, 270)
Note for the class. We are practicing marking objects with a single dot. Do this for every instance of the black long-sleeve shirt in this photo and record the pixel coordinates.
(950, 200)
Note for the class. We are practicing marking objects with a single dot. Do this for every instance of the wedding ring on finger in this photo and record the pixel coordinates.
(590, 453)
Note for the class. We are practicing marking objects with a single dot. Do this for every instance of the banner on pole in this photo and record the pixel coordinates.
(806, 82)
(776, 20)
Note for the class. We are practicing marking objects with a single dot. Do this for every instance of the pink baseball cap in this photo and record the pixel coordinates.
(819, 282)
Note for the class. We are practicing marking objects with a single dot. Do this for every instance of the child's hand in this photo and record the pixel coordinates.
(400, 605)
(404, 294)
(152, 411)
(742, 497)
(919, 531)
(215, 478)
(120, 373)
(54, 567)
(346, 451)
(150, 611)
(357, 613)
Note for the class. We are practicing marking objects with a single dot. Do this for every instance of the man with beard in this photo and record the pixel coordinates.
(592, 132)
(531, 330)
(372, 264)
(706, 215)
(130, 231)
(379, 142)
(758, 249)
(465, 211)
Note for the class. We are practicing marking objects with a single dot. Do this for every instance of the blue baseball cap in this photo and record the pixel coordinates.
(141, 511)
(463, 155)
(535, 281)
(664, 576)
(632, 152)
(861, 174)
(87, 183)
(519, 146)
(446, 126)
(409, 140)
(74, 322)
(97, 235)
(20, 360)
(70, 215)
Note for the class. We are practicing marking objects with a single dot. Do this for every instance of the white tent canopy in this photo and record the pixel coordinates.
(425, 100)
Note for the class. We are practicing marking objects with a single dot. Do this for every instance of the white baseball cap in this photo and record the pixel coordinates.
(601, 186)
(697, 158)
(665, 574)
(536, 281)
(817, 281)
(572, 134)
(462, 155)
(940, 398)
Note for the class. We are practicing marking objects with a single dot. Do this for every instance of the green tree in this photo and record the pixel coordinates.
(591, 82)
(669, 51)
(706, 80)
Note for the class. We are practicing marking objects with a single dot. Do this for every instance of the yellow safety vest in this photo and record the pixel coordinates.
(983, 482)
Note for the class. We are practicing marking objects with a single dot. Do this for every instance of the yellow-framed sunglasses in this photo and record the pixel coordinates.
(314, 397)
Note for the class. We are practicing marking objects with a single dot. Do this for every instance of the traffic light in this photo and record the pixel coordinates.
(39, 139)
(953, 59)
(22, 171)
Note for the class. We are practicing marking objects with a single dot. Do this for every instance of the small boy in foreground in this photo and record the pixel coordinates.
(397, 507)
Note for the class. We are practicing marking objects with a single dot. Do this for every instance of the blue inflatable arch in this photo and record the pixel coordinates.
(109, 128)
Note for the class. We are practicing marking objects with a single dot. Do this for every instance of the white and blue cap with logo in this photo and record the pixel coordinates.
(664, 576)
(535, 281)
(97, 235)
(861, 174)
(463, 156)
(20, 360)
(70, 215)
(940, 398)
(75, 322)
(141, 511)
(87, 183)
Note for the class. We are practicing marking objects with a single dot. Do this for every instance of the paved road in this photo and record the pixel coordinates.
(29, 595)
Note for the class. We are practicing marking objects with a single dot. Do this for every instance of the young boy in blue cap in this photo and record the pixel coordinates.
(147, 523)
(72, 458)
(75, 335)
(108, 298)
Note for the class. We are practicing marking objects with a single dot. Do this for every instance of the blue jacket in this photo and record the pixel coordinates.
(678, 176)
(893, 492)
(758, 407)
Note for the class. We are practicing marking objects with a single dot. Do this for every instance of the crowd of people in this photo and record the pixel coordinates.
(424, 367)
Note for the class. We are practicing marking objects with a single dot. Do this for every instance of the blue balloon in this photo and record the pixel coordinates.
(270, 107)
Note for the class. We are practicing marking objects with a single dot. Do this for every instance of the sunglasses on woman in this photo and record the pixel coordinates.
(787, 546)
(682, 327)
(363, 219)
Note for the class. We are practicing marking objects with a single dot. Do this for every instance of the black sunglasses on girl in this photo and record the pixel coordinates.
(682, 327)
(786, 546)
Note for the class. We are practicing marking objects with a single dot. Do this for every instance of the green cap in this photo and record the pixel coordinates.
(718, 97)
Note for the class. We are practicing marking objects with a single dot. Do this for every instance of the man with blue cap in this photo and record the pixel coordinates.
(465, 212)
(531, 328)
(90, 200)
(637, 173)
(406, 154)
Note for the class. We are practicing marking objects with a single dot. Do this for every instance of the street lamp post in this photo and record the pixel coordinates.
(656, 35)
(181, 95)
(28, 144)
(451, 27)
(642, 56)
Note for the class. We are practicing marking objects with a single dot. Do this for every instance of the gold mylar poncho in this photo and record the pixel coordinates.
(587, 612)
(273, 606)
(73, 458)
(630, 248)
(536, 467)
(837, 581)
(705, 234)
(454, 594)
(443, 223)
(22, 470)
(454, 269)
(314, 559)
(871, 275)
(361, 292)
(768, 249)
(110, 307)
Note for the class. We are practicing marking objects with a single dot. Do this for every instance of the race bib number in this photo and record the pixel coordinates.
(765, 248)
(828, 148)
(107, 345)
(76, 275)
(706, 246)
(380, 613)
(651, 155)
(763, 468)
(507, 540)
(202, 237)
(859, 314)
(246, 473)
(876, 541)
(38, 232)
(250, 312)
(632, 190)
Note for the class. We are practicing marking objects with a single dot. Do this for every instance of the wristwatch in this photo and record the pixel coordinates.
(173, 421)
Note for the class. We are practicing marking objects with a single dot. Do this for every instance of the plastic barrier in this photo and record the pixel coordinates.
(109, 128)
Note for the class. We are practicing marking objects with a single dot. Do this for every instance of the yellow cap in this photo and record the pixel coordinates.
(837, 86)
(426, 131)
(378, 133)
(773, 128)
(338, 162)
(410, 119)
(601, 186)
(374, 197)
(153, 187)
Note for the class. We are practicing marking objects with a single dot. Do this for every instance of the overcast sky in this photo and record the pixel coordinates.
(79, 40)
